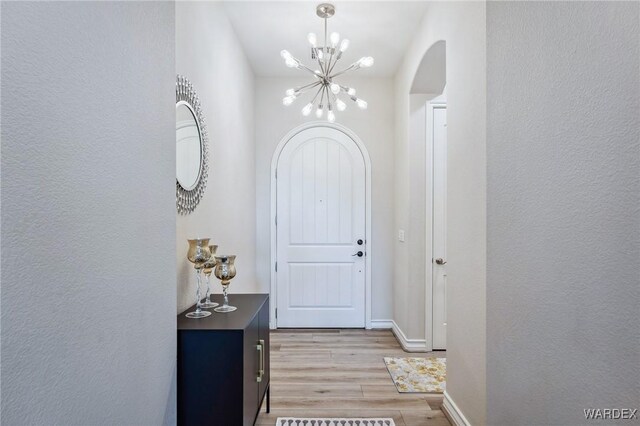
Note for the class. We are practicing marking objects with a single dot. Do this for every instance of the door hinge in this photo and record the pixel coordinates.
(276, 220)
(276, 266)
(276, 173)
(276, 313)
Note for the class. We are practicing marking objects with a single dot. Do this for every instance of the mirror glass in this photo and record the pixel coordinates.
(188, 147)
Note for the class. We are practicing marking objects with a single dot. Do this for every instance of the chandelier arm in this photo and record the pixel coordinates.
(329, 64)
(327, 91)
(316, 96)
(306, 68)
(306, 88)
(349, 68)
(307, 85)
(334, 64)
(321, 95)
(320, 63)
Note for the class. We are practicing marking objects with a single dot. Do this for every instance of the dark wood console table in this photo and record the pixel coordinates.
(223, 363)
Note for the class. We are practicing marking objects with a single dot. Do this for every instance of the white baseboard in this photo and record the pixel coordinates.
(409, 345)
(381, 324)
(452, 412)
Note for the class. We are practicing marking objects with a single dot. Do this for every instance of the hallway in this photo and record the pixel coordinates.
(336, 373)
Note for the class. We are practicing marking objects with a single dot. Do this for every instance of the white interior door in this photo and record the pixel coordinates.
(439, 283)
(321, 211)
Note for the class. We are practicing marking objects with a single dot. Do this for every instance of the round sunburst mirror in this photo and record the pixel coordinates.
(191, 147)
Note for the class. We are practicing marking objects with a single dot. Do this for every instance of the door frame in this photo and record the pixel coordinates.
(274, 197)
(437, 102)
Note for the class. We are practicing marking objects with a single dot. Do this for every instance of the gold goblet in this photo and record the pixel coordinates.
(207, 269)
(198, 254)
(225, 270)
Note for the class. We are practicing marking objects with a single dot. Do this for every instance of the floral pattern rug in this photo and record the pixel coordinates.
(427, 375)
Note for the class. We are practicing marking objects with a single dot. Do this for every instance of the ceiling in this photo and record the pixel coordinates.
(379, 29)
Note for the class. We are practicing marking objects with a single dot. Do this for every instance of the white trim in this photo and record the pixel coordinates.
(382, 324)
(409, 345)
(452, 411)
(369, 238)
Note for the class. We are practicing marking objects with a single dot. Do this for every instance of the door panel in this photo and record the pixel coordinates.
(320, 215)
(439, 227)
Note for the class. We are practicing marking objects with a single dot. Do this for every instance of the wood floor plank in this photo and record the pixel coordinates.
(377, 390)
(422, 418)
(339, 338)
(306, 390)
(360, 379)
(308, 356)
(389, 390)
(382, 348)
(363, 332)
(378, 402)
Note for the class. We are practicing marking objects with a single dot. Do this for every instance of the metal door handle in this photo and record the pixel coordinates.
(359, 254)
(260, 349)
(440, 261)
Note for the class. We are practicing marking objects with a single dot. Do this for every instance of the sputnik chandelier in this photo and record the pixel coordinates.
(328, 90)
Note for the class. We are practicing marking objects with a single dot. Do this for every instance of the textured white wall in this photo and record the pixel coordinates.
(88, 216)
(563, 268)
(462, 26)
(375, 127)
(210, 55)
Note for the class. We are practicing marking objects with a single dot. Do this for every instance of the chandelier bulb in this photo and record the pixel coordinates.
(365, 62)
(334, 38)
(361, 103)
(290, 92)
(307, 109)
(351, 91)
(312, 39)
(285, 55)
(286, 101)
(331, 117)
(320, 53)
(291, 63)
(344, 45)
(335, 88)
(319, 111)
(340, 105)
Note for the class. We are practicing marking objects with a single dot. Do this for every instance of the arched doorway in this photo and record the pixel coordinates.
(321, 229)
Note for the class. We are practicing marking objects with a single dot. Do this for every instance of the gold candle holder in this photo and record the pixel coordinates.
(225, 270)
(198, 254)
(207, 268)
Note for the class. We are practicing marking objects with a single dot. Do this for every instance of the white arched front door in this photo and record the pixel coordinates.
(320, 231)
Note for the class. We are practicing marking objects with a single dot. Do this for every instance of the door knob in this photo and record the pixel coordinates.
(359, 254)
(360, 242)
(440, 261)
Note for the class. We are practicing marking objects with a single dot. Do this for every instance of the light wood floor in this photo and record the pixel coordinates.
(341, 373)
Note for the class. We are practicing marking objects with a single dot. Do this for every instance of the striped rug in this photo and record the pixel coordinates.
(301, 421)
